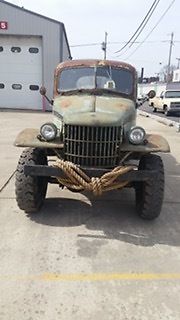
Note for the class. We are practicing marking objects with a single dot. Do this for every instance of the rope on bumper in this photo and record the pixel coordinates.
(77, 180)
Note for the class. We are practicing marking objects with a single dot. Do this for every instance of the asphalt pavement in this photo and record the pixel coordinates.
(83, 257)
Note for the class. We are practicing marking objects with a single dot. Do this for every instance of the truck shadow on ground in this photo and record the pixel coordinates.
(113, 215)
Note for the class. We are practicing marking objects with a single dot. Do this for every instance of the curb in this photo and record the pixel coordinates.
(167, 122)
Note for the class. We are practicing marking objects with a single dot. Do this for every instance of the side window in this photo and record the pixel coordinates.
(1, 49)
(2, 86)
(17, 86)
(162, 94)
(33, 87)
(16, 49)
(33, 50)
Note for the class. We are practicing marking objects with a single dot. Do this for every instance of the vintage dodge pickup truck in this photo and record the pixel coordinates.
(92, 142)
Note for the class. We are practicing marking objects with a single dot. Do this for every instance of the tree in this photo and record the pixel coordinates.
(164, 73)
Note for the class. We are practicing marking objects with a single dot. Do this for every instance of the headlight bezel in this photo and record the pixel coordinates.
(54, 131)
(143, 135)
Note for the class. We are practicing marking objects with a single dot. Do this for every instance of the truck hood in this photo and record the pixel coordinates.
(94, 110)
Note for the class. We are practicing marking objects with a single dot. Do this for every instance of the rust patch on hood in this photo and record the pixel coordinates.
(65, 103)
(122, 106)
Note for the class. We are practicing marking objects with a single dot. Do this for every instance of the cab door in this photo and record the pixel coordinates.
(160, 102)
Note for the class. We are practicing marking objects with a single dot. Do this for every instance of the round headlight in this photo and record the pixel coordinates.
(137, 135)
(48, 131)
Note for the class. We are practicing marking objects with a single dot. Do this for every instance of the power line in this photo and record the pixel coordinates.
(86, 44)
(152, 29)
(144, 25)
(140, 26)
(116, 42)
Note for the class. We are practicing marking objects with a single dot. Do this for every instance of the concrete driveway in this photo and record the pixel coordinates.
(83, 257)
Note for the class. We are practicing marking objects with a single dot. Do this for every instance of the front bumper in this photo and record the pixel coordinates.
(174, 110)
(174, 107)
(49, 171)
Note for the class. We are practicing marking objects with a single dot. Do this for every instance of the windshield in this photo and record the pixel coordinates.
(114, 79)
(172, 94)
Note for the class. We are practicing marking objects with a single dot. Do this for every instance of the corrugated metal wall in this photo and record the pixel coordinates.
(66, 54)
(54, 44)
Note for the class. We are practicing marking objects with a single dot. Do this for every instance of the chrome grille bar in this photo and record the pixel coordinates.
(92, 146)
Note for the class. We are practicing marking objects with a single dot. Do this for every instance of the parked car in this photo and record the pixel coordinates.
(168, 102)
(141, 99)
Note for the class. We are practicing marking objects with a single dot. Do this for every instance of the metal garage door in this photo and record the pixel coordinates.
(20, 72)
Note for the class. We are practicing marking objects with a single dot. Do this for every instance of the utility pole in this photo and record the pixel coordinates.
(169, 59)
(104, 45)
(178, 64)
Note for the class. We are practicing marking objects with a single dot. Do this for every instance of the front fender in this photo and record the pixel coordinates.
(155, 143)
(28, 138)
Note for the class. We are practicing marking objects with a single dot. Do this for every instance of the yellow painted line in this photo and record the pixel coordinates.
(93, 277)
(110, 276)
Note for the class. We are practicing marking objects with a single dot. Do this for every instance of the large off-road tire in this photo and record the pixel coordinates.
(150, 193)
(30, 191)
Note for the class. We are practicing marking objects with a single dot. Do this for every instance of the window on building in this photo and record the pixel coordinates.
(33, 50)
(16, 49)
(2, 86)
(1, 49)
(33, 87)
(17, 86)
(176, 76)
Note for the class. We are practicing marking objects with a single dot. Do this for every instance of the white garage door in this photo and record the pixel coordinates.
(20, 72)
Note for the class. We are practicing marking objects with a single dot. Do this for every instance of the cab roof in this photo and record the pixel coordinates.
(93, 63)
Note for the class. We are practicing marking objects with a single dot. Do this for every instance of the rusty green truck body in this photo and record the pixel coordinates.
(93, 128)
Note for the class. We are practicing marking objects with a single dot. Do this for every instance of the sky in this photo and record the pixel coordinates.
(86, 22)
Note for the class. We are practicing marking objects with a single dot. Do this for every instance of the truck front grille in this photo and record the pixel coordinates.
(92, 146)
(175, 105)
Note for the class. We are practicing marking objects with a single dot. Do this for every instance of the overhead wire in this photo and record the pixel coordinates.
(86, 44)
(112, 42)
(155, 3)
(144, 25)
(155, 26)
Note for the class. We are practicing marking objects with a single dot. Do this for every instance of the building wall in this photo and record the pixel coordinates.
(54, 44)
(144, 88)
(65, 53)
(176, 75)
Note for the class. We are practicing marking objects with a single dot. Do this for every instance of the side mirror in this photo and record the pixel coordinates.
(42, 91)
(151, 94)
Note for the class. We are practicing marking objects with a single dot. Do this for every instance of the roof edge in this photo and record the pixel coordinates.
(93, 63)
(66, 38)
(29, 11)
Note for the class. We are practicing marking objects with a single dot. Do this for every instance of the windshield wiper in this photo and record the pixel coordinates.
(73, 91)
(104, 90)
(92, 91)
